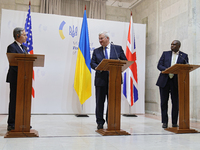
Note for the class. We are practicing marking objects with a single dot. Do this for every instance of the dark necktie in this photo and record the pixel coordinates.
(22, 49)
(106, 54)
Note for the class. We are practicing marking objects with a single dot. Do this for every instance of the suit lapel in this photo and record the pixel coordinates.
(111, 51)
(25, 49)
(101, 52)
(18, 48)
(170, 58)
(179, 57)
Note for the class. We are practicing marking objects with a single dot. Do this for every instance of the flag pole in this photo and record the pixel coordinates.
(81, 114)
(129, 114)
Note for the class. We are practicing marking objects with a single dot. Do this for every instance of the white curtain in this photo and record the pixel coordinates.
(50, 6)
(97, 9)
(94, 8)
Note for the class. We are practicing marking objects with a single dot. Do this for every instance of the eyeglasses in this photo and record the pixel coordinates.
(101, 38)
(23, 35)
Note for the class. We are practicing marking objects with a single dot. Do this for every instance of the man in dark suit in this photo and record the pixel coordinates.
(108, 51)
(168, 83)
(16, 47)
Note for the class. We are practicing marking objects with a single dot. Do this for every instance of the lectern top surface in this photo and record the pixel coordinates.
(105, 63)
(177, 67)
(14, 57)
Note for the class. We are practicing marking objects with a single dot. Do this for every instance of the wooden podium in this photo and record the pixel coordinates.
(115, 68)
(183, 91)
(25, 63)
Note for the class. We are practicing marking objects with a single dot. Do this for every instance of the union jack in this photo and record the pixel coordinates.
(130, 84)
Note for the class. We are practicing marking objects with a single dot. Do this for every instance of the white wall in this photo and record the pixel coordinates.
(54, 82)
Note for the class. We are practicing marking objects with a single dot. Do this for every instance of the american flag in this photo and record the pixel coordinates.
(29, 41)
(130, 85)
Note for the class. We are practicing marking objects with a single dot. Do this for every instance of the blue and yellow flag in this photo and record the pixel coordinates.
(82, 79)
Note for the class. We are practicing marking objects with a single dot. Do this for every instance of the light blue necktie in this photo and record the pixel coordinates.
(106, 54)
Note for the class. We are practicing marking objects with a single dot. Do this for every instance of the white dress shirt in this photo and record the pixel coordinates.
(174, 55)
(108, 50)
(19, 44)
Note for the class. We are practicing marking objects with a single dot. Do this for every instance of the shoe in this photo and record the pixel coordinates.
(9, 128)
(164, 125)
(99, 126)
(174, 125)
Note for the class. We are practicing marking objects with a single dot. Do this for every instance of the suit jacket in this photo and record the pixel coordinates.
(165, 62)
(101, 77)
(12, 72)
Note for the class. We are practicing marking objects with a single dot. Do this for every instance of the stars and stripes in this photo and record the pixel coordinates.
(29, 42)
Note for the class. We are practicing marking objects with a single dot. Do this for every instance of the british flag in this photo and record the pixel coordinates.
(29, 41)
(130, 85)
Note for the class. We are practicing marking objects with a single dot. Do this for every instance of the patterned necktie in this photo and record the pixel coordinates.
(173, 62)
(106, 54)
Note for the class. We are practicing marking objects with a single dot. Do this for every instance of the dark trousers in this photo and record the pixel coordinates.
(171, 89)
(12, 104)
(101, 93)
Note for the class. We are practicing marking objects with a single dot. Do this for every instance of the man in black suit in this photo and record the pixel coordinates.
(108, 51)
(168, 83)
(16, 47)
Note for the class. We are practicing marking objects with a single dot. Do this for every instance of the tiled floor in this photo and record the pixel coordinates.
(67, 132)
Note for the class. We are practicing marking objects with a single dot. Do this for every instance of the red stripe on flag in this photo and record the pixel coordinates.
(33, 75)
(31, 52)
(131, 83)
(130, 56)
(134, 70)
(133, 67)
(33, 92)
(129, 35)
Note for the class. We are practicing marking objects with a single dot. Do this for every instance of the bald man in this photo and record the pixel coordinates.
(168, 83)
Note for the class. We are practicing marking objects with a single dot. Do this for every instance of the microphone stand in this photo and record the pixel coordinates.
(114, 49)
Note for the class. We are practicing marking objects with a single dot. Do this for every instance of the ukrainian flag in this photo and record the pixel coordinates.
(82, 80)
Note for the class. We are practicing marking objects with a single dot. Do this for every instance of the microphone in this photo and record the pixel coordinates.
(183, 59)
(114, 49)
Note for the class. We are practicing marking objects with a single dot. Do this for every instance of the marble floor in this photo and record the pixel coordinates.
(68, 132)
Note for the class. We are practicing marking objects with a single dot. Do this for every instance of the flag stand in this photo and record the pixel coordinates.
(81, 115)
(129, 115)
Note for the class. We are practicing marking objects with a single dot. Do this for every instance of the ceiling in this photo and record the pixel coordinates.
(122, 3)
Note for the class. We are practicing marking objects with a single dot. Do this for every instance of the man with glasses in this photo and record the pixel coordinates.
(105, 51)
(16, 47)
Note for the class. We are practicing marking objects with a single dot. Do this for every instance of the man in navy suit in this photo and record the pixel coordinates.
(108, 51)
(16, 47)
(168, 83)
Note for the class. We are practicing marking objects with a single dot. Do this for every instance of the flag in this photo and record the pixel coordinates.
(130, 85)
(29, 41)
(82, 79)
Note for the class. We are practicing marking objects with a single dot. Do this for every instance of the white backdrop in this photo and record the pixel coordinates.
(54, 82)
